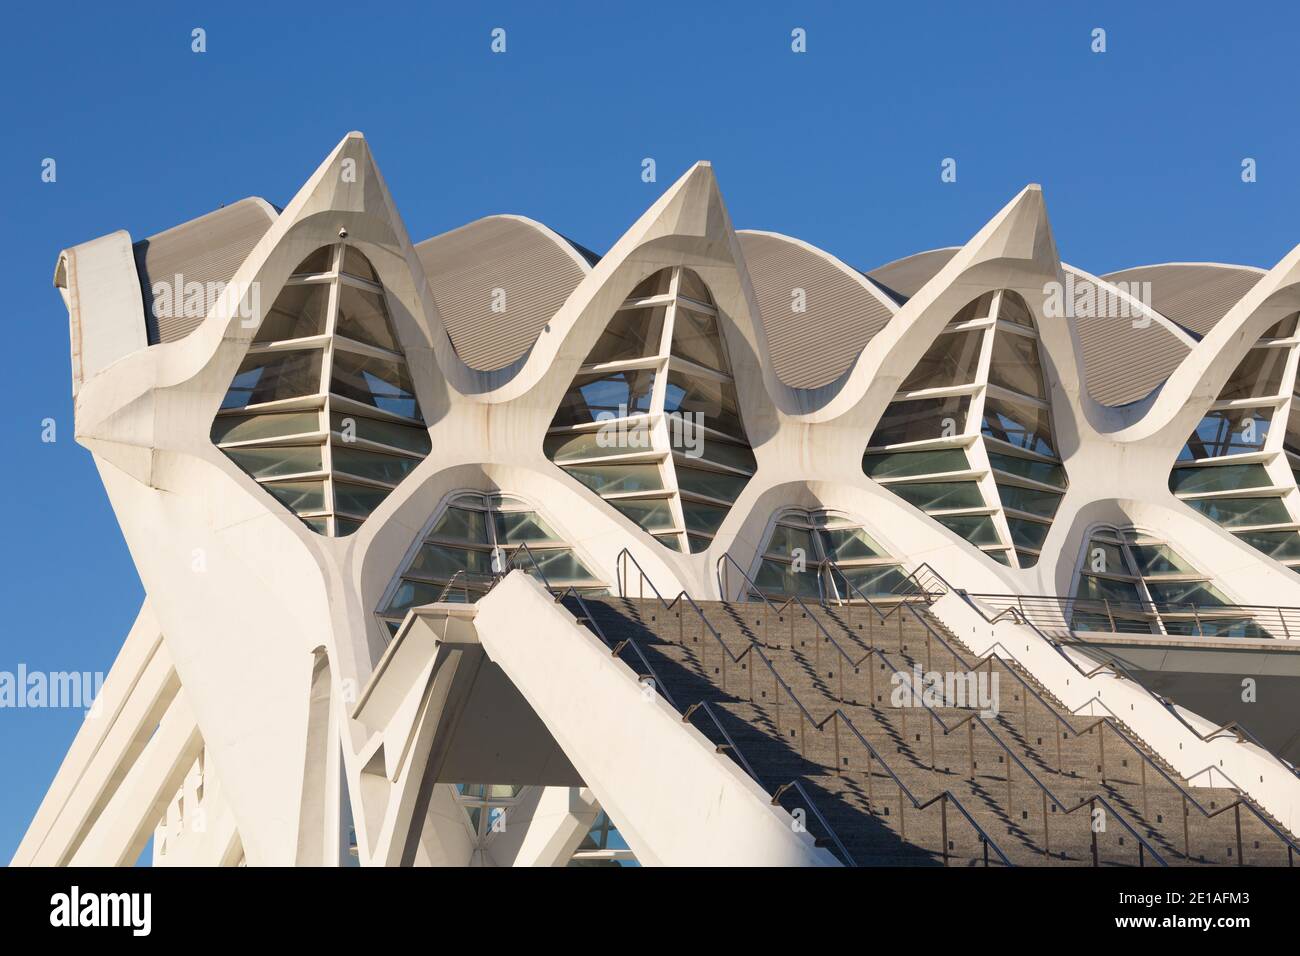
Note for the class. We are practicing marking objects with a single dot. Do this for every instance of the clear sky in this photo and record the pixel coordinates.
(1139, 151)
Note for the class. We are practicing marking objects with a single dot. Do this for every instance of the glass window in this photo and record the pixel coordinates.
(1191, 481)
(777, 577)
(941, 495)
(615, 479)
(356, 264)
(368, 464)
(785, 540)
(980, 308)
(1030, 500)
(383, 383)
(1105, 558)
(977, 529)
(274, 376)
(357, 499)
(696, 339)
(364, 318)
(1015, 365)
(702, 517)
(411, 594)
(848, 544)
(653, 284)
(1231, 431)
(1258, 375)
(235, 428)
(630, 334)
(1014, 309)
(1279, 545)
(1105, 589)
(1159, 559)
(1027, 534)
(1020, 424)
(277, 460)
(712, 450)
(713, 401)
(907, 464)
(600, 396)
(299, 496)
(921, 419)
(517, 527)
(1186, 592)
(876, 581)
(1242, 512)
(322, 260)
(653, 514)
(560, 566)
(440, 562)
(712, 484)
(952, 359)
(461, 524)
(298, 312)
(1041, 471)
(394, 434)
(693, 287)
(595, 444)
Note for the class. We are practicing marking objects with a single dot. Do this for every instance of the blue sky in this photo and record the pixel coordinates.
(1139, 150)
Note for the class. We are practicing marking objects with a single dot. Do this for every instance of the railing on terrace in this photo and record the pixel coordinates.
(1071, 615)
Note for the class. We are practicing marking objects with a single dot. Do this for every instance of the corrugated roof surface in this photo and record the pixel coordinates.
(1123, 362)
(207, 250)
(904, 277)
(809, 349)
(464, 266)
(1195, 295)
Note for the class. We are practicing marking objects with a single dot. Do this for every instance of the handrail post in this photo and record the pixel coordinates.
(1047, 841)
(1092, 826)
(970, 746)
(1200, 629)
(751, 678)
(1236, 812)
(1101, 745)
(1187, 839)
(943, 824)
(836, 718)
(1109, 616)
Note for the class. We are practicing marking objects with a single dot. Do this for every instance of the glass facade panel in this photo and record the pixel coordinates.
(1044, 472)
(1015, 365)
(299, 311)
(1228, 432)
(601, 396)
(236, 428)
(1020, 424)
(394, 434)
(382, 383)
(356, 264)
(1191, 481)
(921, 419)
(1242, 512)
(517, 527)
(696, 339)
(951, 360)
(368, 464)
(631, 334)
(907, 464)
(711, 484)
(701, 517)
(1279, 545)
(299, 496)
(653, 514)
(616, 479)
(941, 495)
(274, 376)
(1029, 500)
(1027, 534)
(714, 402)
(1259, 375)
(977, 529)
(848, 544)
(364, 318)
(357, 499)
(277, 460)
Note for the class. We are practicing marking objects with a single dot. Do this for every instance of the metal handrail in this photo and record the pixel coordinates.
(972, 718)
(1272, 621)
(838, 714)
(1242, 799)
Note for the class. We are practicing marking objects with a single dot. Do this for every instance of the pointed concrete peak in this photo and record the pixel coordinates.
(355, 134)
(693, 205)
(1021, 230)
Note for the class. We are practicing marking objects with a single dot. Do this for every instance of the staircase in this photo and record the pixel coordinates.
(801, 696)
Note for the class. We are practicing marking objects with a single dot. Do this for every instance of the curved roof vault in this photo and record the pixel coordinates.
(844, 311)
(207, 250)
(1196, 295)
(537, 268)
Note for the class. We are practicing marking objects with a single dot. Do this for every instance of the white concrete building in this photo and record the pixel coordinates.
(327, 447)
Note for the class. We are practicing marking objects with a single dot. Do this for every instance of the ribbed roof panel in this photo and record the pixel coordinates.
(1123, 362)
(904, 277)
(1195, 295)
(207, 250)
(810, 349)
(535, 268)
